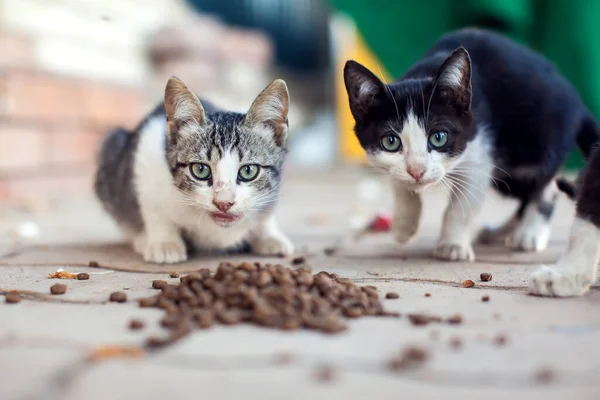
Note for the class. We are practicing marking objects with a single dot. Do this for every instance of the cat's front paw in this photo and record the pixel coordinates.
(454, 252)
(275, 245)
(551, 282)
(165, 252)
(405, 228)
(530, 238)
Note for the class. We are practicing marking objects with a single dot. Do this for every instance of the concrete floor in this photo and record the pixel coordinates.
(44, 342)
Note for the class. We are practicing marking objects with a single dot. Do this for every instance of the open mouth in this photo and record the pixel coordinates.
(224, 218)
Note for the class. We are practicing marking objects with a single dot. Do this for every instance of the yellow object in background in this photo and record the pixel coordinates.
(355, 49)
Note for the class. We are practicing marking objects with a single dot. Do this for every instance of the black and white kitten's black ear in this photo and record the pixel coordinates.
(182, 107)
(454, 78)
(270, 109)
(364, 88)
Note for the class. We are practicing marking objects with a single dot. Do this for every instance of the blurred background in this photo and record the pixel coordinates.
(72, 69)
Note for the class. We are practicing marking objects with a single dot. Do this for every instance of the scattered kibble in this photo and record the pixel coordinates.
(427, 294)
(136, 324)
(158, 284)
(485, 298)
(391, 295)
(467, 284)
(455, 319)
(485, 276)
(412, 356)
(12, 298)
(174, 275)
(500, 340)
(93, 264)
(58, 288)
(118, 297)
(83, 276)
(298, 260)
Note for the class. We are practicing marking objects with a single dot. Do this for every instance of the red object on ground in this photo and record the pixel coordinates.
(381, 223)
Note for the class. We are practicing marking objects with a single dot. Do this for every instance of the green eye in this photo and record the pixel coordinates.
(391, 143)
(248, 172)
(200, 171)
(438, 140)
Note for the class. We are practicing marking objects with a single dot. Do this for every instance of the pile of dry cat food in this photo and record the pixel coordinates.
(267, 295)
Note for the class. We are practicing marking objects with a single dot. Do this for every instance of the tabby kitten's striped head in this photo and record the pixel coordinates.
(227, 164)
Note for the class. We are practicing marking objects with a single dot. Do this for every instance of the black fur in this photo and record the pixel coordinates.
(531, 114)
(588, 196)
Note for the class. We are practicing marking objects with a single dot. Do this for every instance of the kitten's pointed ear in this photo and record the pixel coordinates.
(181, 106)
(454, 78)
(270, 108)
(364, 88)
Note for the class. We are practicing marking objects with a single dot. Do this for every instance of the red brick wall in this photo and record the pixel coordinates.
(51, 125)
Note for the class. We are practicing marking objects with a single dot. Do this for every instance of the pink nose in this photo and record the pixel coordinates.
(223, 205)
(416, 171)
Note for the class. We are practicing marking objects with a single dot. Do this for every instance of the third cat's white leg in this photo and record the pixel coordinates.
(576, 270)
(468, 192)
(407, 214)
(267, 239)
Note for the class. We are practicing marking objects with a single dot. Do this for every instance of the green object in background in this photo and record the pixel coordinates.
(565, 31)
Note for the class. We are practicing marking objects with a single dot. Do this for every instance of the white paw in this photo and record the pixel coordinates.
(276, 245)
(530, 238)
(551, 282)
(165, 252)
(404, 228)
(454, 252)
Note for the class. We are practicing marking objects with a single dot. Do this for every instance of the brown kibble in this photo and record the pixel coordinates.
(158, 284)
(544, 376)
(12, 298)
(174, 275)
(246, 266)
(485, 298)
(467, 284)
(204, 318)
(118, 297)
(58, 288)
(148, 302)
(83, 276)
(456, 343)
(353, 312)
(324, 373)
(427, 294)
(391, 295)
(298, 260)
(419, 319)
(485, 276)
(229, 317)
(455, 319)
(500, 340)
(136, 324)
(263, 279)
(412, 356)
(93, 264)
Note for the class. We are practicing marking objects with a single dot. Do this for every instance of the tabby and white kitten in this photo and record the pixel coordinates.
(577, 269)
(476, 108)
(191, 174)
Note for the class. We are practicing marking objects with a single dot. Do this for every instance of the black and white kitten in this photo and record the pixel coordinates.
(193, 174)
(577, 269)
(476, 108)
